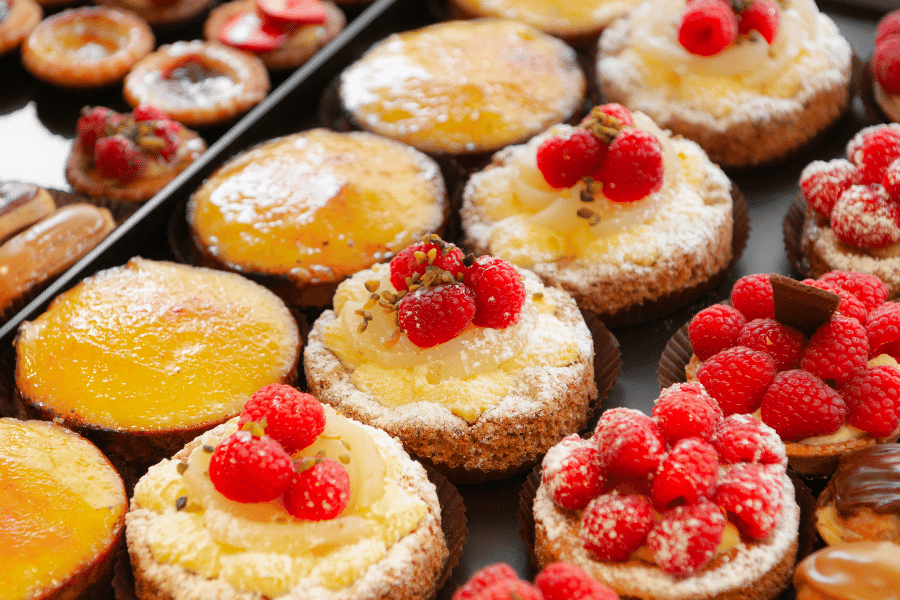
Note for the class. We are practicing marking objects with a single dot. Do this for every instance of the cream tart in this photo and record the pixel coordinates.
(753, 102)
(17, 19)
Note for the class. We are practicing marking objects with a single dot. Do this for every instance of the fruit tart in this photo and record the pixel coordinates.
(62, 513)
(131, 156)
(332, 204)
(145, 356)
(473, 364)
(683, 504)
(885, 65)
(17, 19)
(812, 359)
(290, 500)
(630, 220)
(853, 571)
(283, 33)
(557, 581)
(750, 81)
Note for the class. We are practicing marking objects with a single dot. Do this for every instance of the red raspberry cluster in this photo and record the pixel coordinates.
(670, 481)
(270, 24)
(803, 387)
(886, 60)
(860, 196)
(122, 144)
(608, 149)
(255, 465)
(557, 581)
(710, 26)
(442, 292)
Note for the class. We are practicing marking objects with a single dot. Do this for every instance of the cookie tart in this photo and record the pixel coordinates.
(751, 82)
(885, 66)
(474, 365)
(291, 500)
(630, 220)
(683, 504)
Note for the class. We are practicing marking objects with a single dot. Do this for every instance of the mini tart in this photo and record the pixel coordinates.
(198, 83)
(853, 571)
(16, 22)
(657, 248)
(87, 47)
(176, 557)
(463, 87)
(749, 104)
(191, 345)
(332, 204)
(62, 512)
(484, 405)
(163, 13)
(752, 570)
(305, 41)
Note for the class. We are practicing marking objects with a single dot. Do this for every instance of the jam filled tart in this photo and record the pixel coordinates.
(87, 47)
(198, 83)
(17, 19)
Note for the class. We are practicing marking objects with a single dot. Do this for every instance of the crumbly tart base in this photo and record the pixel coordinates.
(762, 131)
(543, 405)
(23, 17)
(751, 571)
(410, 571)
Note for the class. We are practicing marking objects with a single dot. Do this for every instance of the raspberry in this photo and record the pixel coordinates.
(564, 160)
(686, 410)
(292, 418)
(761, 15)
(715, 328)
(752, 497)
(687, 474)
(784, 344)
(571, 472)
(170, 133)
(873, 149)
(416, 258)
(883, 327)
(633, 167)
(868, 289)
(707, 27)
(117, 157)
(433, 315)
(838, 350)
(509, 589)
(250, 468)
(864, 217)
(320, 491)
(799, 405)
(562, 581)
(891, 181)
(629, 443)
(752, 295)
(91, 126)
(499, 292)
(485, 578)
(613, 526)
(873, 400)
(148, 112)
(850, 305)
(618, 111)
(889, 25)
(886, 64)
(737, 378)
(822, 183)
(685, 539)
(744, 438)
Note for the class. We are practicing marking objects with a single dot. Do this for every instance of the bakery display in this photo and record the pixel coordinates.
(17, 19)
(885, 65)
(569, 206)
(332, 204)
(748, 97)
(854, 571)
(463, 87)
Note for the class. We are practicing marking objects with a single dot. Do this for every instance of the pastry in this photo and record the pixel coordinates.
(129, 157)
(480, 377)
(854, 571)
(163, 13)
(280, 43)
(192, 343)
(62, 512)
(885, 65)
(616, 242)
(189, 539)
(333, 204)
(747, 98)
(463, 87)
(22, 205)
(198, 83)
(87, 47)
(682, 504)
(861, 500)
(17, 19)
(556, 581)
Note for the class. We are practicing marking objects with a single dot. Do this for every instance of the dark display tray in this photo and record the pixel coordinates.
(493, 526)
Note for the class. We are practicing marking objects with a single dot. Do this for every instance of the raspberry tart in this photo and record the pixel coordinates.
(558, 581)
(474, 365)
(750, 87)
(250, 509)
(685, 503)
(130, 156)
(885, 65)
(17, 19)
(569, 206)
